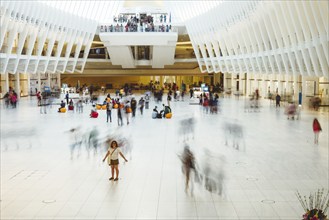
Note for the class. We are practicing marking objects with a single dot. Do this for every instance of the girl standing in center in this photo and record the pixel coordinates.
(112, 156)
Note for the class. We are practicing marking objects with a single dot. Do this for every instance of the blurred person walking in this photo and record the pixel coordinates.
(43, 105)
(39, 98)
(112, 156)
(79, 106)
(13, 98)
(67, 98)
(188, 165)
(109, 106)
(277, 100)
(168, 99)
(191, 93)
(316, 129)
(120, 107)
(133, 104)
(147, 101)
(127, 110)
(141, 104)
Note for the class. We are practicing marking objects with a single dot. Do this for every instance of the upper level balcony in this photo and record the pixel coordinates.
(138, 48)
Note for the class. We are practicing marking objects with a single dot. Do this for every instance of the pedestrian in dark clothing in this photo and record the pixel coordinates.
(67, 98)
(191, 92)
(133, 104)
(277, 100)
(120, 109)
(141, 104)
(188, 165)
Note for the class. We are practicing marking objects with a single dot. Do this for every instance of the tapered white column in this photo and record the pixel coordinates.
(255, 83)
(303, 90)
(39, 82)
(48, 79)
(286, 84)
(280, 91)
(59, 81)
(7, 82)
(247, 84)
(17, 85)
(238, 80)
(29, 93)
(296, 89)
(272, 87)
(264, 86)
(224, 81)
(232, 82)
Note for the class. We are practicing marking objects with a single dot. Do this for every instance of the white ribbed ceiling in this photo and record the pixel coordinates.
(103, 11)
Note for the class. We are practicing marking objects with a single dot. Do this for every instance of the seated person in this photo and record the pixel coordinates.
(93, 113)
(71, 102)
(155, 113)
(62, 106)
(166, 110)
(155, 109)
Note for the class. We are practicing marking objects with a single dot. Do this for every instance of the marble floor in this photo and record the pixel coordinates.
(44, 177)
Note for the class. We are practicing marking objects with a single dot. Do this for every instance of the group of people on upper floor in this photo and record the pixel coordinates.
(145, 24)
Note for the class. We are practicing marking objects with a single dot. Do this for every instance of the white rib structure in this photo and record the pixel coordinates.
(37, 38)
(253, 37)
(261, 37)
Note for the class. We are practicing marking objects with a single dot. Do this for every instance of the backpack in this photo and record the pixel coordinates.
(109, 106)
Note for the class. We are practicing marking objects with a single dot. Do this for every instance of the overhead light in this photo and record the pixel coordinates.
(183, 42)
(98, 42)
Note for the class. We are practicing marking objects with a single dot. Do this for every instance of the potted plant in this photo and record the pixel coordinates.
(315, 206)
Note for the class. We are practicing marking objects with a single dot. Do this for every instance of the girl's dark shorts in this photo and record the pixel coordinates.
(114, 162)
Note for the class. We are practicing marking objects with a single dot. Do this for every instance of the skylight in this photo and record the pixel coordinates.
(104, 11)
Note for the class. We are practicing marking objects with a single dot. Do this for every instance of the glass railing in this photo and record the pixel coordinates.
(136, 28)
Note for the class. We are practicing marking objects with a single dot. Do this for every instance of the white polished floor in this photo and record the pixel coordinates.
(41, 179)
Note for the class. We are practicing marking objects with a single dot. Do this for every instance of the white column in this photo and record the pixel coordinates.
(238, 80)
(285, 84)
(264, 86)
(232, 82)
(270, 83)
(224, 81)
(255, 82)
(17, 85)
(28, 84)
(39, 82)
(136, 52)
(304, 101)
(296, 89)
(7, 82)
(48, 80)
(280, 91)
(59, 81)
(247, 85)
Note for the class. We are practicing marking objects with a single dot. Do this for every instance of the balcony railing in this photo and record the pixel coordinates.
(136, 28)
